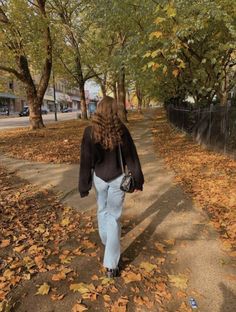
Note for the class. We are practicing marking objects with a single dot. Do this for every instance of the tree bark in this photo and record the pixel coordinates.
(114, 91)
(35, 103)
(83, 105)
(122, 96)
(140, 99)
(103, 89)
(81, 83)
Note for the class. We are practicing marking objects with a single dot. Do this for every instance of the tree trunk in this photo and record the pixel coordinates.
(122, 96)
(83, 105)
(103, 89)
(81, 82)
(114, 90)
(224, 90)
(35, 103)
(223, 98)
(140, 99)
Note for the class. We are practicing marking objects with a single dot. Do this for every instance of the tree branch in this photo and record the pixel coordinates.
(12, 71)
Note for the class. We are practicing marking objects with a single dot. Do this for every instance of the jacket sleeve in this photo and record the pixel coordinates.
(132, 160)
(85, 173)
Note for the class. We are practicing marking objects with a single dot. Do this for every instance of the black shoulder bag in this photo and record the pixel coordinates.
(127, 184)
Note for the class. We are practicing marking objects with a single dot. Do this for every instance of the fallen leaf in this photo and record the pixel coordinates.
(169, 241)
(43, 289)
(8, 274)
(5, 243)
(79, 307)
(57, 297)
(107, 298)
(160, 247)
(94, 278)
(131, 277)
(65, 222)
(19, 248)
(59, 276)
(148, 267)
(179, 281)
(107, 281)
(82, 288)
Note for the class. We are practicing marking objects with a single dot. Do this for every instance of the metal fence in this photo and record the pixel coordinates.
(214, 127)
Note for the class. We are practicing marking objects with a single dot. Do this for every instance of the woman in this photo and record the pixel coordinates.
(100, 163)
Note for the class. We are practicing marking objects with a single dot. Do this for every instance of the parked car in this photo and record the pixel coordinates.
(25, 111)
(66, 110)
(44, 111)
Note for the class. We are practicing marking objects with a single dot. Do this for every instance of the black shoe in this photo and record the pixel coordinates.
(111, 273)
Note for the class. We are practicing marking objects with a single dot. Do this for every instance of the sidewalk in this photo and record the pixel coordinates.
(161, 223)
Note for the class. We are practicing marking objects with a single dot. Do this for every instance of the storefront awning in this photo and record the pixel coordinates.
(7, 96)
(48, 98)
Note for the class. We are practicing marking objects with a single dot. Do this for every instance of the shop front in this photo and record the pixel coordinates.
(7, 103)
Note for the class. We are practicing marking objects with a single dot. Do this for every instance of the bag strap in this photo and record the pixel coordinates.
(121, 159)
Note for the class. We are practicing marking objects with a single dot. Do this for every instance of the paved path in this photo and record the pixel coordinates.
(18, 122)
(161, 212)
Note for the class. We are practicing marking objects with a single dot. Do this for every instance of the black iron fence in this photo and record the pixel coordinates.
(214, 127)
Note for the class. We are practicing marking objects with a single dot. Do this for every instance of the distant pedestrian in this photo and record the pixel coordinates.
(103, 144)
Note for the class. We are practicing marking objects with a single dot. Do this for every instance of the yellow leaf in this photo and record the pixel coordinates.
(107, 298)
(65, 221)
(82, 288)
(40, 229)
(65, 259)
(170, 10)
(8, 274)
(107, 281)
(164, 70)
(150, 64)
(148, 267)
(179, 281)
(154, 54)
(131, 277)
(159, 20)
(155, 34)
(43, 289)
(147, 54)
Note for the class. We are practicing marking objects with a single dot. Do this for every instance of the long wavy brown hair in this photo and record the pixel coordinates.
(106, 125)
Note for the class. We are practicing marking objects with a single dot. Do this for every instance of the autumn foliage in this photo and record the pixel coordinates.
(209, 177)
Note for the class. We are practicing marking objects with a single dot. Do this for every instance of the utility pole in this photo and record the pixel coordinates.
(54, 95)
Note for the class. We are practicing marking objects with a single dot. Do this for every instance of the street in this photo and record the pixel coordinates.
(17, 122)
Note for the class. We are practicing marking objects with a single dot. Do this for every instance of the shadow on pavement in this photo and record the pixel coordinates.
(159, 210)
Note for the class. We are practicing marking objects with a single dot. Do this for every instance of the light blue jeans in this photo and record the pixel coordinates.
(110, 203)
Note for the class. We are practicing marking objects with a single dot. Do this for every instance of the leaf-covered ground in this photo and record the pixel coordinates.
(51, 259)
(57, 143)
(209, 177)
